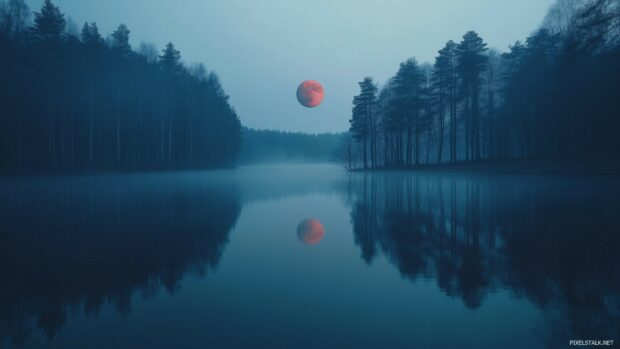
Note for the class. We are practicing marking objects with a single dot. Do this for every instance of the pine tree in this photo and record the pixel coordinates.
(440, 88)
(471, 63)
(90, 36)
(445, 85)
(171, 57)
(363, 123)
(120, 40)
(49, 23)
(408, 93)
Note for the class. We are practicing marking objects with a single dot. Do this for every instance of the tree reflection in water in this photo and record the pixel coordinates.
(552, 240)
(82, 243)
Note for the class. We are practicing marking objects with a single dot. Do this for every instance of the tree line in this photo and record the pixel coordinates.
(554, 95)
(72, 100)
(271, 146)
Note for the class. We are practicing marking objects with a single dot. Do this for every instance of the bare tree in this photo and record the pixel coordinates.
(560, 15)
(14, 17)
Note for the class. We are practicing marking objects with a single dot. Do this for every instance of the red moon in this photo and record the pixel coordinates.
(310, 231)
(310, 94)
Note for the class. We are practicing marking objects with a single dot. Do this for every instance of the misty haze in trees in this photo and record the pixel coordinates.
(270, 146)
(553, 96)
(78, 102)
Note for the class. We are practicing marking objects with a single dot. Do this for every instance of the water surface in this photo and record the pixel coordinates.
(215, 259)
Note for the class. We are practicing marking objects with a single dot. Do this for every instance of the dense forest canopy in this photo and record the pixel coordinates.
(552, 96)
(76, 101)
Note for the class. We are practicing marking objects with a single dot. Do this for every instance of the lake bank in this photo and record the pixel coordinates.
(582, 166)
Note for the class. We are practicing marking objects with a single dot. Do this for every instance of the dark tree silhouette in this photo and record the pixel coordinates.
(49, 23)
(90, 36)
(120, 40)
(443, 76)
(170, 58)
(551, 96)
(73, 103)
(471, 62)
(363, 122)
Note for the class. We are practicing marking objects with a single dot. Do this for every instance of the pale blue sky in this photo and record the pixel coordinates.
(262, 49)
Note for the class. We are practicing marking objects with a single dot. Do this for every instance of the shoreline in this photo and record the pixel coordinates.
(596, 166)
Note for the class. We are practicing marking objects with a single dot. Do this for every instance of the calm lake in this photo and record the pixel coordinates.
(221, 260)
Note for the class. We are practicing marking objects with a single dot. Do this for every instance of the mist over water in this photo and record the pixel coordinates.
(213, 259)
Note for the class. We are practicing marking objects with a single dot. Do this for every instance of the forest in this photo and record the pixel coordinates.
(270, 146)
(553, 96)
(74, 101)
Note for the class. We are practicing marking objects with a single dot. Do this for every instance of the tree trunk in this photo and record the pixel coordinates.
(170, 139)
(417, 140)
(440, 130)
(161, 132)
(91, 130)
(118, 127)
(467, 127)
